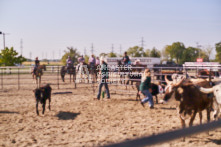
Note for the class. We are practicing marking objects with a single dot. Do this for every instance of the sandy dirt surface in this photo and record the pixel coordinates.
(78, 120)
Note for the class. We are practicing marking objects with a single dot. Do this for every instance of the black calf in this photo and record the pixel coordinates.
(41, 95)
(154, 92)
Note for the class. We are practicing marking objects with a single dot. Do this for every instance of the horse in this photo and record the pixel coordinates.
(71, 70)
(37, 73)
(83, 70)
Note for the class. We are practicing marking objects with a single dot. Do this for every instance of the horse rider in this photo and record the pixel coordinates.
(69, 63)
(97, 61)
(37, 63)
(92, 61)
(81, 59)
(81, 63)
(126, 59)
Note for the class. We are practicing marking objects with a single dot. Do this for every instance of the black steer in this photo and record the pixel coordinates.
(41, 95)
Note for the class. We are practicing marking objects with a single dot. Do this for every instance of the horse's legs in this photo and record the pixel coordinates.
(49, 106)
(36, 78)
(43, 106)
(37, 107)
(39, 81)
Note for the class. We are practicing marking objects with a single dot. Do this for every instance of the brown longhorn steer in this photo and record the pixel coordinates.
(190, 99)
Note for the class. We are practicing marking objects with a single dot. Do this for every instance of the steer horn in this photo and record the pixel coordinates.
(179, 83)
(206, 90)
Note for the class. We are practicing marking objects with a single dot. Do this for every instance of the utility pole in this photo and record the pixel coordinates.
(142, 42)
(4, 38)
(112, 48)
(120, 49)
(142, 45)
(198, 46)
(85, 51)
(53, 55)
(30, 55)
(21, 46)
(92, 49)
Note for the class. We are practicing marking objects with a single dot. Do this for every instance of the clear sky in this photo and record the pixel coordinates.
(48, 27)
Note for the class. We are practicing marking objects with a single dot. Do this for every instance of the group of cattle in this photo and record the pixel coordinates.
(193, 95)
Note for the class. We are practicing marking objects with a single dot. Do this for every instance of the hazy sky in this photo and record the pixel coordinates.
(48, 27)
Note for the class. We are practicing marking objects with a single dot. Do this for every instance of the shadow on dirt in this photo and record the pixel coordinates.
(167, 108)
(216, 141)
(67, 115)
(8, 112)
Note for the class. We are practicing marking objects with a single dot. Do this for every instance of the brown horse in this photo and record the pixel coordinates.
(70, 71)
(37, 73)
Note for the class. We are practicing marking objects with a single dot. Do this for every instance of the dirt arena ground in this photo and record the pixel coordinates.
(78, 120)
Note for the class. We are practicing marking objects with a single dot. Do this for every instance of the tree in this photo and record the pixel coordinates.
(86, 58)
(155, 53)
(204, 55)
(218, 52)
(167, 52)
(103, 54)
(147, 53)
(73, 53)
(9, 57)
(165, 55)
(175, 51)
(135, 51)
(111, 54)
(208, 50)
(190, 54)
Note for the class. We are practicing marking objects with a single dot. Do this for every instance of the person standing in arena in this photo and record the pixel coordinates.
(145, 88)
(104, 77)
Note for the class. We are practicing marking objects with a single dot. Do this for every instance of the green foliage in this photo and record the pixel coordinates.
(190, 54)
(155, 53)
(147, 53)
(9, 57)
(86, 58)
(135, 51)
(111, 54)
(204, 55)
(177, 49)
(218, 52)
(103, 54)
(73, 53)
